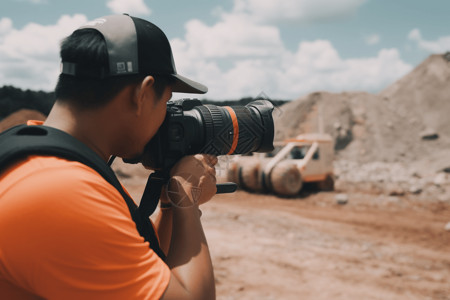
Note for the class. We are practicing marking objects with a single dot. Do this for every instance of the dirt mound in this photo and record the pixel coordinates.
(423, 94)
(20, 117)
(408, 122)
(421, 99)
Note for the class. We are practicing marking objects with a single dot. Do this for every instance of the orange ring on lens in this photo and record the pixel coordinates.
(235, 129)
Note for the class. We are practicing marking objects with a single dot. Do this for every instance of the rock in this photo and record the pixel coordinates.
(429, 134)
(447, 56)
(416, 174)
(341, 199)
(440, 179)
(433, 190)
(414, 277)
(395, 190)
(444, 197)
(415, 189)
(447, 226)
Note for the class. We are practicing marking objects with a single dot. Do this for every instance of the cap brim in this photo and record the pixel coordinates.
(186, 85)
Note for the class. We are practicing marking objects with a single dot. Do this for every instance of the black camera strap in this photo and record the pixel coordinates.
(21, 141)
(152, 192)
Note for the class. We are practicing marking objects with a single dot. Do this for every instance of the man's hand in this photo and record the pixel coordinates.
(192, 181)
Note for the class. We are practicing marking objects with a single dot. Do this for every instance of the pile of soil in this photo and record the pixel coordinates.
(407, 122)
(20, 117)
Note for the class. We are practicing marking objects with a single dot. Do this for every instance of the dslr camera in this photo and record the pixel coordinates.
(191, 127)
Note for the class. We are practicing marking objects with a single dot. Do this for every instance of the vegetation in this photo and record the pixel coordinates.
(243, 101)
(13, 99)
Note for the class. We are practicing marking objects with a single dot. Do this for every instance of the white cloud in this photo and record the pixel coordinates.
(415, 35)
(440, 45)
(296, 10)
(242, 55)
(233, 37)
(29, 57)
(372, 39)
(34, 1)
(318, 66)
(5, 26)
(236, 58)
(135, 7)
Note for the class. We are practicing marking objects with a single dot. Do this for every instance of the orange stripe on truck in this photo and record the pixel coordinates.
(312, 178)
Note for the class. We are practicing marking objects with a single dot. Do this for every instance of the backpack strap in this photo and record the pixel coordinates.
(23, 140)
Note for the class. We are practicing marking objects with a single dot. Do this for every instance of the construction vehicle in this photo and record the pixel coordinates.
(308, 158)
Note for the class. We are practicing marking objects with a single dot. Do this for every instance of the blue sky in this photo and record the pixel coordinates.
(240, 48)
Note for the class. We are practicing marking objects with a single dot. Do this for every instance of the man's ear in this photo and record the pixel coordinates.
(144, 93)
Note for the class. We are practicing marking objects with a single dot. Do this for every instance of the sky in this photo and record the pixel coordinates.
(284, 49)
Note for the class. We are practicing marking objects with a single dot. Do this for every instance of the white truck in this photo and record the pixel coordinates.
(305, 158)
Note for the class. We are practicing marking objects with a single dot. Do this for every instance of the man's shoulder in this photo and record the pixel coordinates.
(47, 162)
(72, 189)
(50, 167)
(49, 176)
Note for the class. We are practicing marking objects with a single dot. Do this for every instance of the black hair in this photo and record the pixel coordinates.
(87, 48)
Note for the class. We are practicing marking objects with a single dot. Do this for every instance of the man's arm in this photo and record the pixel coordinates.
(163, 224)
(193, 182)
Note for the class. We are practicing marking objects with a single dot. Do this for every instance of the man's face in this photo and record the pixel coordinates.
(153, 115)
(160, 108)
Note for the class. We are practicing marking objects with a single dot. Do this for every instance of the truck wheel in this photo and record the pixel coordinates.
(327, 184)
(249, 176)
(232, 172)
(286, 180)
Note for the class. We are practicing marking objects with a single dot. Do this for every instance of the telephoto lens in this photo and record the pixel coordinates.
(191, 127)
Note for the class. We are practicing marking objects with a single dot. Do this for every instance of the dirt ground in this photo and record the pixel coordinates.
(264, 247)
(310, 247)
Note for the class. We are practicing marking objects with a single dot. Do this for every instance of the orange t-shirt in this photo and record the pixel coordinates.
(66, 233)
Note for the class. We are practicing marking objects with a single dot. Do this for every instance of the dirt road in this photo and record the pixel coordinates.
(375, 247)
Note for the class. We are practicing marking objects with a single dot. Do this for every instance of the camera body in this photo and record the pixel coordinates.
(191, 127)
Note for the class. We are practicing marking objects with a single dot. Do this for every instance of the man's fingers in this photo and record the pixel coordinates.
(211, 170)
(210, 159)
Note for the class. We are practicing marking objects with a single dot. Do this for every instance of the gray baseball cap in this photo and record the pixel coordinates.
(135, 46)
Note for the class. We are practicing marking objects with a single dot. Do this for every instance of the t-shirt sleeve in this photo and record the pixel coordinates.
(81, 241)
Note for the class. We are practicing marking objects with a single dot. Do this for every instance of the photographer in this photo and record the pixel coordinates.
(65, 232)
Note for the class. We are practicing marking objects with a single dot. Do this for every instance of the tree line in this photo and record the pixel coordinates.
(13, 99)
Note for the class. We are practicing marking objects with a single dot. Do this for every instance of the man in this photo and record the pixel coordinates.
(65, 232)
